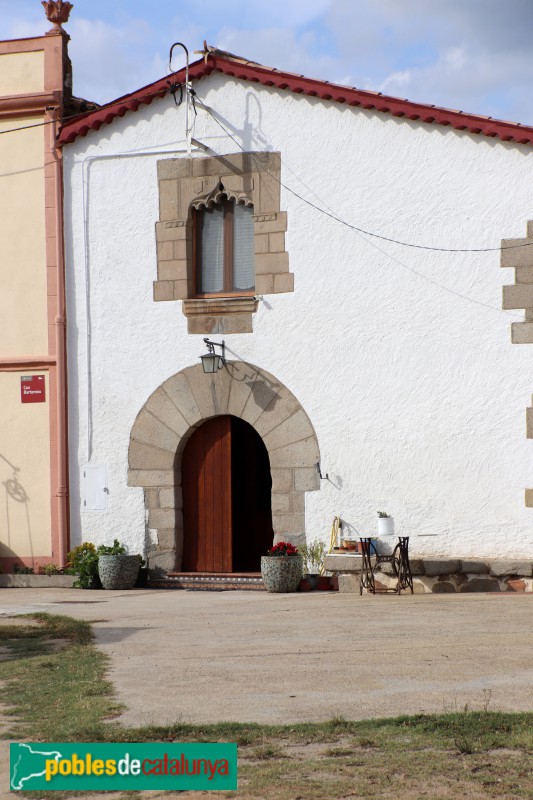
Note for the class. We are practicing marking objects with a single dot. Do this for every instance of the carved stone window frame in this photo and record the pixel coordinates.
(187, 183)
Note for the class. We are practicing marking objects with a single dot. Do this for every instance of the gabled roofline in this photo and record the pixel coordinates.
(299, 84)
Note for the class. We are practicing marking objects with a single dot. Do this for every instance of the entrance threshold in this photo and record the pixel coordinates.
(210, 581)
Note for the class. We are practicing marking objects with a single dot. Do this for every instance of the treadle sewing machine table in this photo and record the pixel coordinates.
(399, 559)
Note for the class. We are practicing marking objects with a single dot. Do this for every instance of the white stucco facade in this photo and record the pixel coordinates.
(400, 357)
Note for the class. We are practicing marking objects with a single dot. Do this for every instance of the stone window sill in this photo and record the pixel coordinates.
(220, 314)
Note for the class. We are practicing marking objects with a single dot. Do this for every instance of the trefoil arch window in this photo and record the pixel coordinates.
(224, 260)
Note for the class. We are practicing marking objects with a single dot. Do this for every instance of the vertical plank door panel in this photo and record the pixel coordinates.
(207, 514)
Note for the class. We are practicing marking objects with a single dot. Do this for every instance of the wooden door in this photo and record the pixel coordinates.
(207, 506)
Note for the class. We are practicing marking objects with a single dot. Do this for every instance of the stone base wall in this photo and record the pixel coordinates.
(37, 581)
(440, 576)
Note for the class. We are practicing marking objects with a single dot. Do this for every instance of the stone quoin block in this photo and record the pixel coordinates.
(163, 290)
(150, 478)
(166, 540)
(261, 243)
(519, 296)
(172, 271)
(170, 498)
(297, 502)
(161, 518)
(524, 275)
(281, 503)
(307, 479)
(151, 498)
(522, 332)
(288, 523)
(143, 456)
(271, 263)
(170, 231)
(270, 223)
(276, 242)
(264, 284)
(181, 289)
(517, 253)
(284, 283)
(165, 251)
(282, 480)
(168, 200)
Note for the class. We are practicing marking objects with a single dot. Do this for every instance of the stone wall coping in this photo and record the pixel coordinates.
(350, 562)
(22, 581)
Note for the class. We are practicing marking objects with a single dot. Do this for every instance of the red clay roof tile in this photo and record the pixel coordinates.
(233, 66)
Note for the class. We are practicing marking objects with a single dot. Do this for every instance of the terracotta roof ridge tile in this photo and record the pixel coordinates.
(241, 69)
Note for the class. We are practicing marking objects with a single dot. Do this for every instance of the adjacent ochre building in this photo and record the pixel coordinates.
(35, 96)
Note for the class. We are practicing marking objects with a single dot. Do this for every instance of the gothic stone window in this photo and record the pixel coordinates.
(223, 247)
(221, 238)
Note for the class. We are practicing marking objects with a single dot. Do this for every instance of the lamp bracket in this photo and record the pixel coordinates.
(322, 477)
(211, 348)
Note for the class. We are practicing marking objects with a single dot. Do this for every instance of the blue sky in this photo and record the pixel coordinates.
(473, 55)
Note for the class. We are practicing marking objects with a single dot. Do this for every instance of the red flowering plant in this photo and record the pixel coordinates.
(283, 549)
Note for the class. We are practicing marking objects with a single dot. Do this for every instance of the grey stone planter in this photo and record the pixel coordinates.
(281, 573)
(118, 571)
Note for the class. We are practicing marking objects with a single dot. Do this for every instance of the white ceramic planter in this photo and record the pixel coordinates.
(385, 543)
(385, 526)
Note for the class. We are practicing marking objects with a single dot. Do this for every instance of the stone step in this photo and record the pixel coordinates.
(210, 581)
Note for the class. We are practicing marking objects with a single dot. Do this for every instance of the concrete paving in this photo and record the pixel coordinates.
(245, 656)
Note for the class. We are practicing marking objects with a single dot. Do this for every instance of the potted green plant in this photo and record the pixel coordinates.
(83, 562)
(281, 568)
(313, 554)
(117, 569)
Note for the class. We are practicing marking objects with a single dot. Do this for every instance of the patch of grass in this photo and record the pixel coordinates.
(267, 751)
(54, 696)
(475, 755)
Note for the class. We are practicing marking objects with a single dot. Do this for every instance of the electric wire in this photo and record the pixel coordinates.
(361, 232)
(173, 87)
(27, 127)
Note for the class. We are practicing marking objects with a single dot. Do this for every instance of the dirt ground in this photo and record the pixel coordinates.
(243, 656)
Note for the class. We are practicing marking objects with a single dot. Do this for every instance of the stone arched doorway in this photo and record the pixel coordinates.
(179, 406)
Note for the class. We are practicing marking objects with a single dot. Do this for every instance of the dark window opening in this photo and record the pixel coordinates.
(224, 249)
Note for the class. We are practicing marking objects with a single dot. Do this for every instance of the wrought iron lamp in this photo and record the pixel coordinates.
(213, 361)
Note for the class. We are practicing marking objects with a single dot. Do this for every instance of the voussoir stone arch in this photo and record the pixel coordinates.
(179, 406)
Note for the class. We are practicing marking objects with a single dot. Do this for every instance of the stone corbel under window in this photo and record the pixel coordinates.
(220, 314)
(194, 183)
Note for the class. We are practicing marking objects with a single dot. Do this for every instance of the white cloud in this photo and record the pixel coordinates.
(474, 55)
(280, 48)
